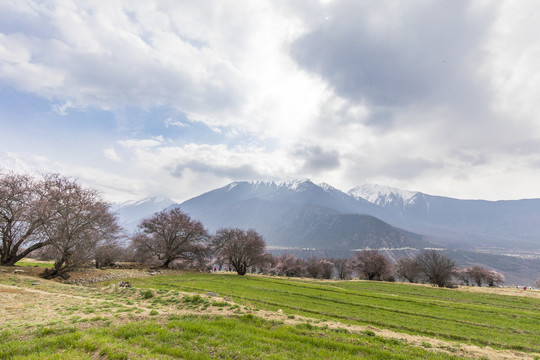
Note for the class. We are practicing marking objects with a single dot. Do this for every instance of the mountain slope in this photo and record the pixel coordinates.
(299, 214)
(132, 212)
(511, 223)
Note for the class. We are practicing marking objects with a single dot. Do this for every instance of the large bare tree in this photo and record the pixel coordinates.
(24, 209)
(437, 268)
(80, 221)
(241, 249)
(371, 264)
(172, 235)
(408, 268)
(343, 268)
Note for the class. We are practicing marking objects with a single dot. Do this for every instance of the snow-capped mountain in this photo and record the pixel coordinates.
(452, 222)
(382, 195)
(132, 212)
(470, 223)
(300, 214)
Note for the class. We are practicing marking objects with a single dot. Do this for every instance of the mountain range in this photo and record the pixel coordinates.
(312, 218)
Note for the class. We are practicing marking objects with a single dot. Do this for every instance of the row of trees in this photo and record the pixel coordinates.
(57, 218)
(171, 236)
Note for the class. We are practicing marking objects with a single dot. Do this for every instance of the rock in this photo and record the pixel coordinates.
(4, 270)
(280, 311)
(18, 271)
(124, 284)
(211, 294)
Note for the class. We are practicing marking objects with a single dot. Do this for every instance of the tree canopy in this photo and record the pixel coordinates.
(172, 235)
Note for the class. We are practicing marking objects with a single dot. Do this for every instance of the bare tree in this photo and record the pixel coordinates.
(478, 274)
(241, 249)
(288, 265)
(371, 264)
(81, 221)
(313, 267)
(24, 208)
(407, 268)
(318, 268)
(463, 275)
(172, 235)
(495, 278)
(107, 253)
(343, 268)
(437, 268)
(537, 283)
(327, 268)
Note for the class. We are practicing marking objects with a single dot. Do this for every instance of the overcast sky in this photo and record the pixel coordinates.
(176, 98)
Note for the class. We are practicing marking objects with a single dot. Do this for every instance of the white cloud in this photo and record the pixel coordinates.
(289, 89)
(111, 154)
(141, 143)
(172, 122)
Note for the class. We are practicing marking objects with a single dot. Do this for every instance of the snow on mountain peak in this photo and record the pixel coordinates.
(380, 194)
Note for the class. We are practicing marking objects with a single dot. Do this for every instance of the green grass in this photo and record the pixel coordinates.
(43, 264)
(502, 322)
(194, 337)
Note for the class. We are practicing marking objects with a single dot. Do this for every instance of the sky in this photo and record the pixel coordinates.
(176, 98)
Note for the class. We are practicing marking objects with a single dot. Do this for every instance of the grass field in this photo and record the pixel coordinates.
(483, 319)
(200, 337)
(162, 317)
(35, 263)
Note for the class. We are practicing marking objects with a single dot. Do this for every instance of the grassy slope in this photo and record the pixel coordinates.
(154, 321)
(483, 319)
(196, 337)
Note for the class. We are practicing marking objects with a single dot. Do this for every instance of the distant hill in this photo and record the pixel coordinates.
(318, 219)
(299, 214)
(132, 212)
(467, 224)
(461, 223)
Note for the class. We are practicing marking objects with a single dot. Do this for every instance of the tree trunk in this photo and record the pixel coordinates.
(166, 264)
(241, 270)
(60, 269)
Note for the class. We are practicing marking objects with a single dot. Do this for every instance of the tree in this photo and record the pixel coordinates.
(288, 265)
(313, 267)
(371, 264)
(318, 268)
(327, 268)
(537, 283)
(24, 209)
(495, 278)
(343, 268)
(108, 253)
(463, 275)
(437, 268)
(81, 220)
(241, 249)
(407, 268)
(172, 235)
(479, 274)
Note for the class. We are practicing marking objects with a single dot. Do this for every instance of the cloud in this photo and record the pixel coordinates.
(189, 95)
(171, 122)
(144, 143)
(123, 53)
(244, 171)
(393, 54)
(316, 159)
(111, 154)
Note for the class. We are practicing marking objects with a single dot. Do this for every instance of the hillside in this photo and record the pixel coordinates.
(195, 315)
(299, 215)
